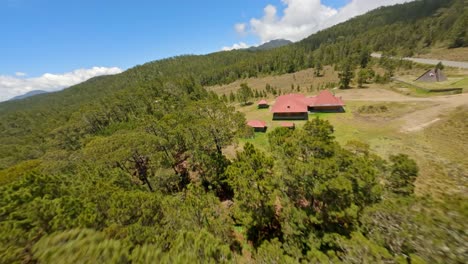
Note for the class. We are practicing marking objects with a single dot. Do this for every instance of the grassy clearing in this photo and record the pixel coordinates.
(461, 83)
(304, 79)
(348, 125)
(377, 130)
(410, 90)
(260, 140)
(439, 150)
(415, 89)
(441, 162)
(442, 154)
(452, 82)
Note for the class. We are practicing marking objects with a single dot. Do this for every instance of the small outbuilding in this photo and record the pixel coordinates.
(257, 125)
(433, 75)
(263, 104)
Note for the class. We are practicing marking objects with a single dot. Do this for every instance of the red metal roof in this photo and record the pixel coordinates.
(257, 124)
(298, 103)
(287, 124)
(290, 103)
(326, 98)
(263, 102)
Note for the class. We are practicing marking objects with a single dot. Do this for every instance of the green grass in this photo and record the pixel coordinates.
(440, 150)
(415, 87)
(461, 84)
(416, 90)
(260, 140)
(372, 128)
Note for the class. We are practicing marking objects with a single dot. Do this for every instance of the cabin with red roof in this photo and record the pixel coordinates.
(263, 104)
(290, 106)
(257, 125)
(325, 101)
(298, 106)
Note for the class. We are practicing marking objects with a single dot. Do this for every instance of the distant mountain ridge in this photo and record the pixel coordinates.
(28, 94)
(272, 44)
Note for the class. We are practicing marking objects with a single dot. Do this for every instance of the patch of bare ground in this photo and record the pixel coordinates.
(421, 126)
(421, 119)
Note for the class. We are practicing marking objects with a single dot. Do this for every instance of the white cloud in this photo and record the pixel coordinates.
(11, 86)
(20, 74)
(240, 28)
(240, 45)
(302, 18)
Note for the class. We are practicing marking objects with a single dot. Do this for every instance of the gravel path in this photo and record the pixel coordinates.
(456, 64)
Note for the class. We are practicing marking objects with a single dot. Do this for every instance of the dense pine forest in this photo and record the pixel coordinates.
(132, 168)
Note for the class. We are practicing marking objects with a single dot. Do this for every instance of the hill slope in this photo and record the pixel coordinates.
(277, 43)
(28, 94)
(406, 28)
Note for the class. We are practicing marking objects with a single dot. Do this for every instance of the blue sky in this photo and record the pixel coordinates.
(61, 36)
(52, 44)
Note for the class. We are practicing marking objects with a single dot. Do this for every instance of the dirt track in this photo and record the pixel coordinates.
(416, 120)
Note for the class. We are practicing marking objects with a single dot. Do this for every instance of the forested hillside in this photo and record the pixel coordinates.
(132, 168)
(403, 29)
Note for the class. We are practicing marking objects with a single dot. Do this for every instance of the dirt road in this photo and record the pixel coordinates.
(456, 64)
(416, 120)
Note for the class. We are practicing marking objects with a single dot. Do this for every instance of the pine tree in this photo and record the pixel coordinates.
(268, 88)
(364, 57)
(404, 172)
(255, 188)
(363, 76)
(440, 66)
(346, 74)
(318, 69)
(244, 93)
